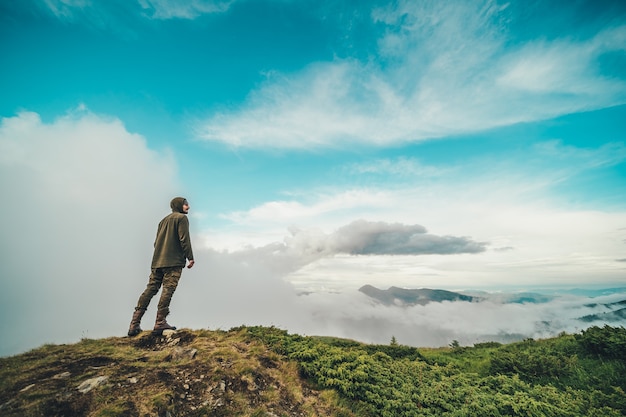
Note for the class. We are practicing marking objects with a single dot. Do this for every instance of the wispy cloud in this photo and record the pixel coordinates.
(107, 13)
(397, 168)
(310, 205)
(580, 159)
(440, 69)
(563, 67)
(66, 8)
(183, 9)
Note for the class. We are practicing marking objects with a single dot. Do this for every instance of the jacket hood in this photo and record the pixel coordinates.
(177, 204)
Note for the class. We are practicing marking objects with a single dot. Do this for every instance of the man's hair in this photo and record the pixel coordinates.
(177, 204)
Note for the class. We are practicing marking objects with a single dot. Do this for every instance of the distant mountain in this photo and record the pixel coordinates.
(617, 315)
(409, 297)
(404, 297)
(609, 305)
(512, 297)
(587, 292)
(609, 317)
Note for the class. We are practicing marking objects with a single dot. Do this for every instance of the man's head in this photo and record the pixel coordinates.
(179, 205)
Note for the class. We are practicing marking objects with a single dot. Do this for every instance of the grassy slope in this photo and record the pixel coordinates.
(229, 375)
(259, 371)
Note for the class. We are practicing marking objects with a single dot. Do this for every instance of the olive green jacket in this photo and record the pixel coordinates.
(172, 246)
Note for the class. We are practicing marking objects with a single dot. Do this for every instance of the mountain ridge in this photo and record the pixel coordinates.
(409, 297)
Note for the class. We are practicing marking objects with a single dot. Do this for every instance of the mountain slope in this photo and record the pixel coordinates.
(267, 372)
(182, 374)
(616, 316)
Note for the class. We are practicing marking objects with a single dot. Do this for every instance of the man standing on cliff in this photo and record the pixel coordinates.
(172, 250)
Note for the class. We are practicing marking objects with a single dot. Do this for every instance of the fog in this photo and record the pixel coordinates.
(231, 289)
(82, 197)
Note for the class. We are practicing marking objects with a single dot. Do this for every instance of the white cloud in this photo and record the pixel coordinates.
(183, 9)
(564, 68)
(268, 222)
(545, 245)
(65, 8)
(290, 210)
(534, 235)
(106, 13)
(399, 168)
(609, 154)
(441, 69)
(82, 197)
(313, 109)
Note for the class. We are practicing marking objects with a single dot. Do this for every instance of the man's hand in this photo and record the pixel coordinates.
(190, 264)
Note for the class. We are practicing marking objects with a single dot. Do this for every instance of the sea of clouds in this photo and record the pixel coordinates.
(82, 197)
(249, 292)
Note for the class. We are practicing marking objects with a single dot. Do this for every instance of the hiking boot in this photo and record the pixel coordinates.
(161, 324)
(134, 328)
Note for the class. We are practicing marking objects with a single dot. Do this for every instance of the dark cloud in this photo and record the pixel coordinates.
(379, 238)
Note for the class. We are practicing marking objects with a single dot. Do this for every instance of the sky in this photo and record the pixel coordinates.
(322, 145)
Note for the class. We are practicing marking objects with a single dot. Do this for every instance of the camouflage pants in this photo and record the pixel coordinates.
(160, 277)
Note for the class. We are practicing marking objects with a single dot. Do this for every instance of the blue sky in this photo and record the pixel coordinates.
(329, 144)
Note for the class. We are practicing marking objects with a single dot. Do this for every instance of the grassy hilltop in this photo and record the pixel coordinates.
(260, 371)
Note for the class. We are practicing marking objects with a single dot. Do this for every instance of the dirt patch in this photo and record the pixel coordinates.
(267, 362)
(149, 341)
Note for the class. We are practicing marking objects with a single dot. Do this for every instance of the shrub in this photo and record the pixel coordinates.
(607, 341)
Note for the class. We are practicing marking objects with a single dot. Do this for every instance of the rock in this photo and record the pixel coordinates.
(92, 383)
(62, 375)
(133, 380)
(183, 353)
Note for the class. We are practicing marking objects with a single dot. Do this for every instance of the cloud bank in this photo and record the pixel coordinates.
(251, 286)
(232, 289)
(82, 196)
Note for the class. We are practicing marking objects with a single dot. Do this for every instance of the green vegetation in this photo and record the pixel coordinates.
(564, 376)
(260, 371)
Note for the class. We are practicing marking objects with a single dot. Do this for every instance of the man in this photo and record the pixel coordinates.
(172, 249)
